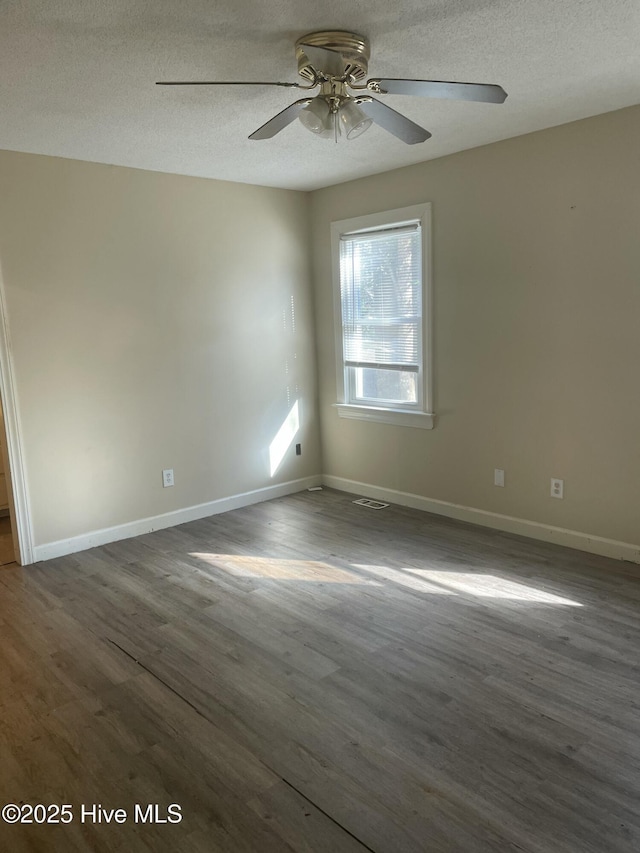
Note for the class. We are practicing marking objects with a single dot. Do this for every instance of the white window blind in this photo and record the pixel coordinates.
(381, 296)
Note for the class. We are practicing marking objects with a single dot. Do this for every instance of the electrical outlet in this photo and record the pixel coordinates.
(557, 488)
(167, 477)
(498, 477)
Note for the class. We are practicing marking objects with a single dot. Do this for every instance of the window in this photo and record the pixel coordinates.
(381, 265)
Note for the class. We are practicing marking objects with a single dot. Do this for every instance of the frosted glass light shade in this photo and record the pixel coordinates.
(353, 120)
(317, 118)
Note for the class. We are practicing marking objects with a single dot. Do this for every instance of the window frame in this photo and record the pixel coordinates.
(415, 415)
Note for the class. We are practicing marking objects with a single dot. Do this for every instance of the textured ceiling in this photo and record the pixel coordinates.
(77, 78)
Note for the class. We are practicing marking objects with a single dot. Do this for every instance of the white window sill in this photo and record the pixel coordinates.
(422, 420)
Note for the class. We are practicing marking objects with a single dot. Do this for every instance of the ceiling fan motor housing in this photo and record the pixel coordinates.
(353, 49)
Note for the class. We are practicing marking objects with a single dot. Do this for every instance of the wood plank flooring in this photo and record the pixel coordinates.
(310, 675)
(6, 541)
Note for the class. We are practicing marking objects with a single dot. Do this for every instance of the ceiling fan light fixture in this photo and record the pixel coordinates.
(317, 118)
(353, 121)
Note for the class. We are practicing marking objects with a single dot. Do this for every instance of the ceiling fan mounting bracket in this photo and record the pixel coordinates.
(352, 48)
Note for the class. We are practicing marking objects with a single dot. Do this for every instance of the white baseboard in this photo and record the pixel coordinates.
(169, 519)
(506, 523)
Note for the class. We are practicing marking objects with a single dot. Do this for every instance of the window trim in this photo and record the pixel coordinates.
(424, 416)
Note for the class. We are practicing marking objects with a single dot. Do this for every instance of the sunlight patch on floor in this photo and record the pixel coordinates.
(491, 586)
(398, 577)
(428, 581)
(309, 571)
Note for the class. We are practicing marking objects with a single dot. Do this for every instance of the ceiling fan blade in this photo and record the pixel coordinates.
(281, 120)
(392, 121)
(226, 83)
(323, 59)
(486, 92)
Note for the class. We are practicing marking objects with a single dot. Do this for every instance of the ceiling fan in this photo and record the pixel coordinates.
(337, 62)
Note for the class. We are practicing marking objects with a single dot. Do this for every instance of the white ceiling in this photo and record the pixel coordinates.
(77, 78)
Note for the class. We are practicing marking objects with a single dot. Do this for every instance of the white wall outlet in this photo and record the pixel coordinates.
(498, 477)
(557, 488)
(167, 477)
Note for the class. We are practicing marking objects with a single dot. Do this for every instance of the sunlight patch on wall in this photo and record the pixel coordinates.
(284, 439)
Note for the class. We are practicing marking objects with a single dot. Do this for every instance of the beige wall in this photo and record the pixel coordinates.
(161, 321)
(537, 329)
(157, 322)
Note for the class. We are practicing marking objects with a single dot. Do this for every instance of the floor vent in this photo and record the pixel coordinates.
(371, 504)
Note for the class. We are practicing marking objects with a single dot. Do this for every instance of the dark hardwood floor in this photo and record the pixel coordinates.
(310, 675)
